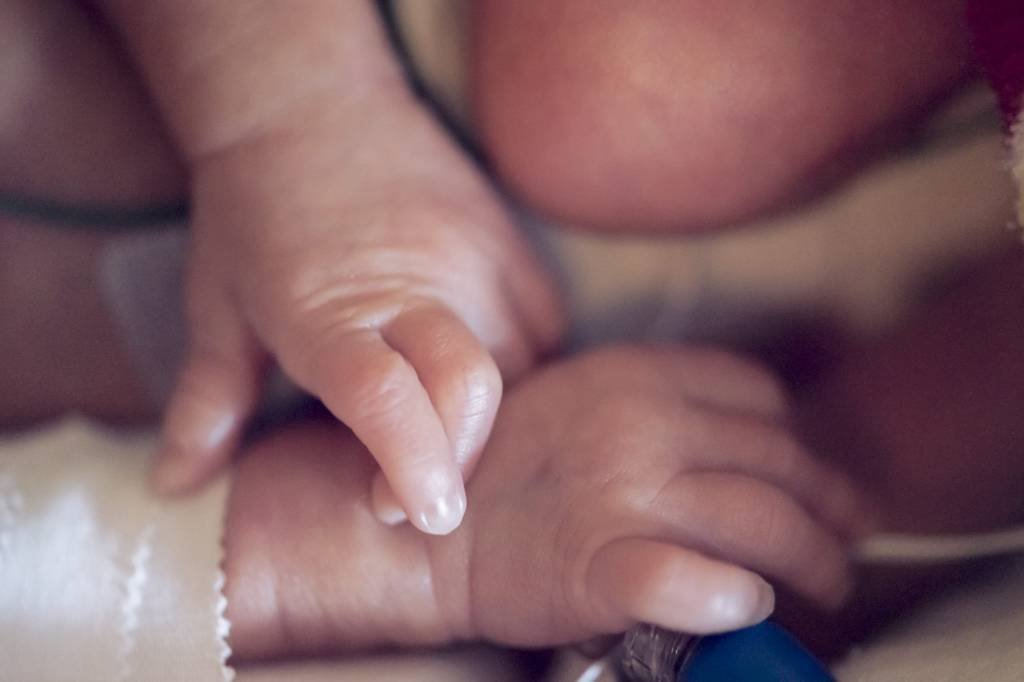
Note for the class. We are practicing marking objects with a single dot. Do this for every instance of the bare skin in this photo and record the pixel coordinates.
(943, 459)
(264, 559)
(682, 116)
(623, 485)
(334, 254)
(338, 233)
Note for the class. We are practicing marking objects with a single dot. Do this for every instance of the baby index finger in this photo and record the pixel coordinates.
(377, 393)
(459, 375)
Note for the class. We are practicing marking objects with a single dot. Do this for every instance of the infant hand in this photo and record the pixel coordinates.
(645, 485)
(383, 277)
(621, 486)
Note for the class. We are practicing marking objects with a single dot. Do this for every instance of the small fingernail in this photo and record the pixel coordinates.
(390, 515)
(385, 504)
(172, 473)
(444, 513)
(740, 608)
(190, 436)
(765, 602)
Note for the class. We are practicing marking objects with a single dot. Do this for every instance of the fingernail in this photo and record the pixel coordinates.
(390, 514)
(385, 504)
(190, 436)
(444, 513)
(196, 428)
(765, 601)
(172, 473)
(740, 608)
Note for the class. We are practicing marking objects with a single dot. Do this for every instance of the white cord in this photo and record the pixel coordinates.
(595, 670)
(895, 548)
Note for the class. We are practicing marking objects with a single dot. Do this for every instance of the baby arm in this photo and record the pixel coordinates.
(624, 485)
(337, 232)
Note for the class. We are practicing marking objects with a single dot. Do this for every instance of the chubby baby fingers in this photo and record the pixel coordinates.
(377, 393)
(638, 580)
(752, 523)
(766, 450)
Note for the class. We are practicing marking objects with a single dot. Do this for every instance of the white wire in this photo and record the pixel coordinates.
(595, 670)
(895, 548)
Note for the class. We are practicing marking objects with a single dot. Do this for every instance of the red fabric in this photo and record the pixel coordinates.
(998, 28)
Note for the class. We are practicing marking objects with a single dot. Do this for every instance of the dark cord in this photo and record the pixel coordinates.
(93, 215)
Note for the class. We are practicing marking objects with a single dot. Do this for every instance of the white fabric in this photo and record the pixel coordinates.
(99, 581)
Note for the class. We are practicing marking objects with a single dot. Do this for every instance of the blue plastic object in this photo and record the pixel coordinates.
(762, 653)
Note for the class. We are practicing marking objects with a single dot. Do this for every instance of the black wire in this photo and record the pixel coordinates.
(116, 218)
(390, 21)
(93, 215)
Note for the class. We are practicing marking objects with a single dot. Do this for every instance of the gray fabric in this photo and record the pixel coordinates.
(141, 276)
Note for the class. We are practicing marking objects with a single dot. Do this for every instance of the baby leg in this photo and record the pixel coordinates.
(687, 115)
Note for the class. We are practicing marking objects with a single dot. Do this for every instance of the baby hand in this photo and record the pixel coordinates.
(378, 269)
(625, 485)
(649, 485)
